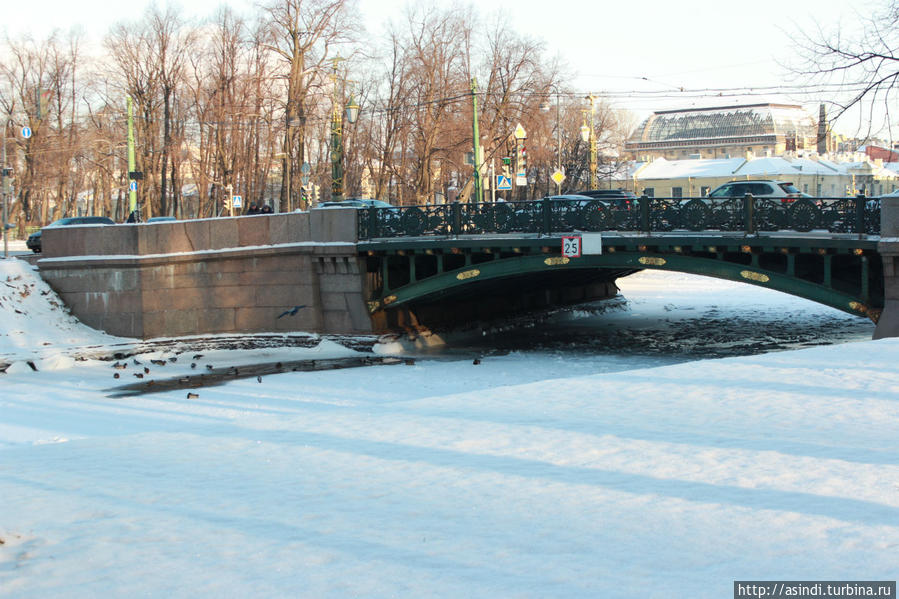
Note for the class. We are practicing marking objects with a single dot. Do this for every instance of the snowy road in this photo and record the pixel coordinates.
(557, 467)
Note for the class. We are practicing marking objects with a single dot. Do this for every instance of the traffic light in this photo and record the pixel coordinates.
(41, 102)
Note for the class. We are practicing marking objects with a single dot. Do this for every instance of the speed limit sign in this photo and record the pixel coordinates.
(571, 247)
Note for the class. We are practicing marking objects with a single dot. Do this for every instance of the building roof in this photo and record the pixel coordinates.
(698, 126)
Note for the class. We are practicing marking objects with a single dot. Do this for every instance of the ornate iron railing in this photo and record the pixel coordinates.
(750, 215)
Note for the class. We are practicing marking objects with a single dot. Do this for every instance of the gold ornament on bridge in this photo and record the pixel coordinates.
(651, 261)
(389, 300)
(468, 274)
(754, 276)
(560, 261)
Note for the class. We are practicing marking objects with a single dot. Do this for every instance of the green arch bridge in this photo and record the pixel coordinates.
(462, 262)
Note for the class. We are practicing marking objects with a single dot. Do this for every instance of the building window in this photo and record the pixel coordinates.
(805, 187)
(704, 190)
(677, 192)
(649, 192)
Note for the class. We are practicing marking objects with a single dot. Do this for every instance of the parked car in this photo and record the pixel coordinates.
(620, 198)
(34, 240)
(160, 219)
(759, 188)
(355, 203)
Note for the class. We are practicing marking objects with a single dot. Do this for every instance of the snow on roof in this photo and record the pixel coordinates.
(673, 169)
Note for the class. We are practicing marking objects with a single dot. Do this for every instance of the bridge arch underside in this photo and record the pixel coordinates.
(443, 284)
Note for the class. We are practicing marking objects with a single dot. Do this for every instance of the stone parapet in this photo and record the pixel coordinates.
(266, 273)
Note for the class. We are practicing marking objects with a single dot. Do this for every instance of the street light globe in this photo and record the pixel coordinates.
(352, 111)
(585, 133)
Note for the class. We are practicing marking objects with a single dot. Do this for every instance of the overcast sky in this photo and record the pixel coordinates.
(640, 53)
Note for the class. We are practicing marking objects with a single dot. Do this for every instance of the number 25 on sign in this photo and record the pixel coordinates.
(571, 247)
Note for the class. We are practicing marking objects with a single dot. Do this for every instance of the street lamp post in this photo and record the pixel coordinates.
(338, 111)
(544, 106)
(588, 134)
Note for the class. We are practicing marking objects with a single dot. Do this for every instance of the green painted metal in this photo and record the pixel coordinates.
(713, 267)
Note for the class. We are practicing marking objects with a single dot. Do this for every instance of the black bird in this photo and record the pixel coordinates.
(258, 379)
(136, 362)
(292, 312)
(139, 375)
(193, 395)
(115, 376)
(146, 370)
(197, 356)
(193, 364)
(158, 362)
(476, 361)
(209, 367)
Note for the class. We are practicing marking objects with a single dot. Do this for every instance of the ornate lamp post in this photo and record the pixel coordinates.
(338, 111)
(588, 134)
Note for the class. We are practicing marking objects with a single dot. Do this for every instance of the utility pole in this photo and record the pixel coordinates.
(477, 140)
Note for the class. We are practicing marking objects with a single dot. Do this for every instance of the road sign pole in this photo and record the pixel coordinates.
(132, 191)
(5, 187)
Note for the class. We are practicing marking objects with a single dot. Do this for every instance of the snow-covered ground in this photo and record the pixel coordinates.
(542, 471)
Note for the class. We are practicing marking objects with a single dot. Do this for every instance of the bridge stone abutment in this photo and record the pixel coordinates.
(888, 324)
(251, 274)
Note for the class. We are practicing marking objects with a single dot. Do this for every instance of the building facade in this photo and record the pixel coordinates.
(728, 132)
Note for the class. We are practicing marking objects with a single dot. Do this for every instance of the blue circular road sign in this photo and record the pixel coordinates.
(26, 132)
(132, 186)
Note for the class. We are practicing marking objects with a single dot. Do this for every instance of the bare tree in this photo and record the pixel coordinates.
(861, 66)
(304, 33)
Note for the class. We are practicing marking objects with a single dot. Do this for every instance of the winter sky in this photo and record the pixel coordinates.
(643, 53)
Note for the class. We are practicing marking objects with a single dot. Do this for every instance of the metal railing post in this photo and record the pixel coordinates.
(456, 214)
(372, 223)
(644, 213)
(749, 214)
(860, 227)
(546, 208)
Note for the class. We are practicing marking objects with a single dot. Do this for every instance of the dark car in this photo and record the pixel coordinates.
(620, 198)
(34, 240)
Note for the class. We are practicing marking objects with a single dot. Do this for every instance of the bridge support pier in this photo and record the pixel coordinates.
(888, 324)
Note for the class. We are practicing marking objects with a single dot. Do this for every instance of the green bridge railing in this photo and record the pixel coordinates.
(749, 215)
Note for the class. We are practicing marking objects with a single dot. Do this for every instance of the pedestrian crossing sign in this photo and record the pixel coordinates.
(503, 183)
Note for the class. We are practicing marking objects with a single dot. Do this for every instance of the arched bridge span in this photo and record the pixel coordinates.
(509, 272)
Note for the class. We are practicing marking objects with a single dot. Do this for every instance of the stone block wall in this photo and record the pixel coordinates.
(888, 324)
(265, 273)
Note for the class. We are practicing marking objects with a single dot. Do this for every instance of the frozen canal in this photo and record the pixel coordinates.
(593, 455)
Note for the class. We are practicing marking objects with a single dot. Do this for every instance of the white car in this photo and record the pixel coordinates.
(759, 188)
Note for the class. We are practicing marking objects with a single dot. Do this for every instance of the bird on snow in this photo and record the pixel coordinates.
(193, 395)
(258, 379)
(292, 312)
